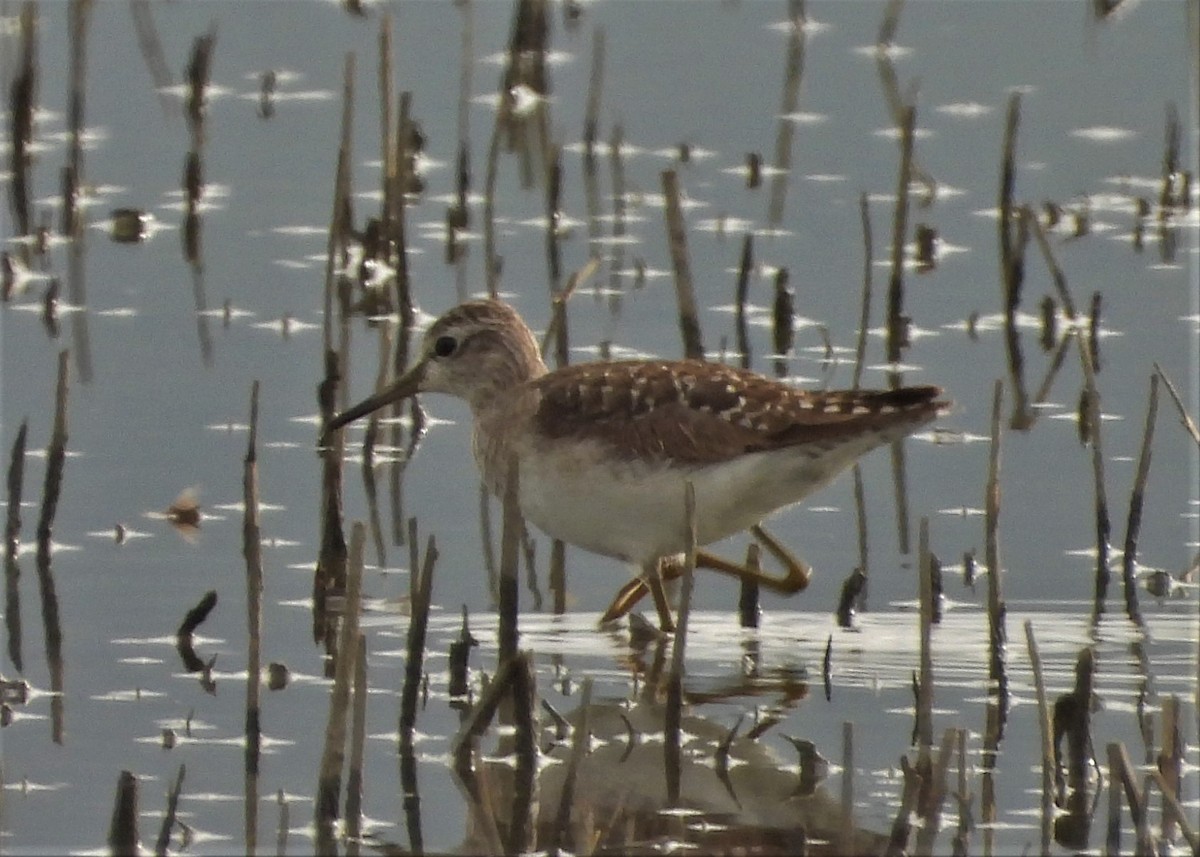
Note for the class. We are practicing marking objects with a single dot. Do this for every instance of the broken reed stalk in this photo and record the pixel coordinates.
(1136, 499)
(387, 150)
(56, 456)
(480, 716)
(1170, 764)
(1009, 264)
(562, 836)
(902, 824)
(510, 545)
(358, 732)
(749, 609)
(932, 795)
(991, 505)
(281, 830)
(1050, 773)
(558, 308)
(163, 843)
(844, 844)
(1103, 527)
(685, 295)
(1171, 802)
(491, 262)
(864, 565)
(616, 166)
(674, 704)
(122, 828)
(864, 318)
(16, 482)
(741, 294)
(924, 712)
(341, 191)
(1188, 423)
(252, 553)
(421, 597)
(329, 781)
(789, 99)
(591, 118)
(896, 338)
(12, 542)
(1056, 273)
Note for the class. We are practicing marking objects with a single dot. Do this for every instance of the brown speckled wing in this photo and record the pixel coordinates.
(690, 412)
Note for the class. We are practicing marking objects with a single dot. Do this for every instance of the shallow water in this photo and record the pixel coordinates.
(160, 390)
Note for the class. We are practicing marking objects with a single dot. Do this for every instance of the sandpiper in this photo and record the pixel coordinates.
(604, 449)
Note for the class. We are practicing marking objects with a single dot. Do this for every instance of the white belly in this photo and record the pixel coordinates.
(638, 514)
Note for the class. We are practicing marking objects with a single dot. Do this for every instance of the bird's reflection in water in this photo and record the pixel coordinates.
(736, 793)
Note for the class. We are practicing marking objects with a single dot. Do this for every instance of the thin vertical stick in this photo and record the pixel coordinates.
(1008, 172)
(925, 682)
(1136, 499)
(329, 783)
(674, 704)
(562, 836)
(12, 542)
(421, 596)
(847, 824)
(864, 318)
(991, 506)
(56, 456)
(689, 321)
(595, 81)
(510, 545)
(122, 828)
(358, 730)
(1049, 766)
(1103, 526)
(895, 295)
(252, 553)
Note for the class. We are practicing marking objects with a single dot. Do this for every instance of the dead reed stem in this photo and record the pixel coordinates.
(1188, 423)
(1009, 268)
(123, 826)
(896, 334)
(358, 732)
(674, 705)
(1103, 527)
(510, 545)
(864, 318)
(1050, 772)
(56, 456)
(1178, 814)
(741, 293)
(1056, 273)
(421, 598)
(329, 781)
(252, 553)
(485, 709)
(789, 99)
(689, 320)
(1136, 500)
(924, 711)
(12, 542)
(991, 505)
(847, 826)
(163, 843)
(562, 833)
(341, 191)
(591, 120)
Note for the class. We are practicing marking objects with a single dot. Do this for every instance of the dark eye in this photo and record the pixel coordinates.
(444, 346)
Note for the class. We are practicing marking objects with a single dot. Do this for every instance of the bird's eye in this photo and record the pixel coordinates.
(444, 346)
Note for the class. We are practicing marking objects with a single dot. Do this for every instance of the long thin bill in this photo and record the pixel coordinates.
(408, 385)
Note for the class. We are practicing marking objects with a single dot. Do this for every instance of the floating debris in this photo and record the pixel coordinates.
(184, 515)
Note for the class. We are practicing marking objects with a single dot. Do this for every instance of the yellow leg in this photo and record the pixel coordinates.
(795, 578)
